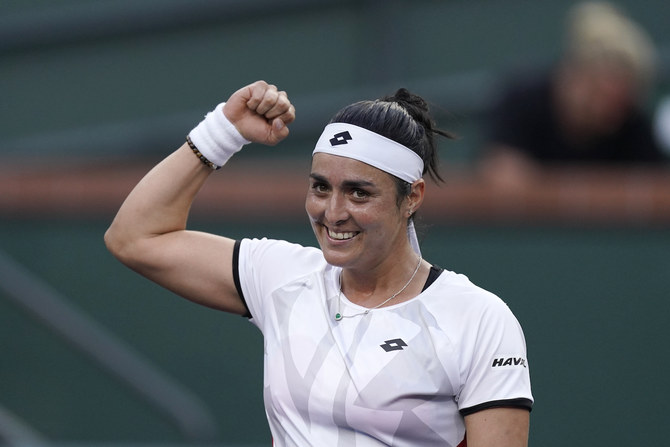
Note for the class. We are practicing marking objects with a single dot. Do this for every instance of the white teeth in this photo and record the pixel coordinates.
(340, 236)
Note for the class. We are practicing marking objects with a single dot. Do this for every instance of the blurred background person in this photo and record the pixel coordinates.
(589, 108)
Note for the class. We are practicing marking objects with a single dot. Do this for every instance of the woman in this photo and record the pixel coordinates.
(366, 343)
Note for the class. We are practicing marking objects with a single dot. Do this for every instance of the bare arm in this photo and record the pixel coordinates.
(500, 427)
(149, 232)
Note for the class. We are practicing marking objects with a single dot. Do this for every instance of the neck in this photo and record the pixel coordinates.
(400, 281)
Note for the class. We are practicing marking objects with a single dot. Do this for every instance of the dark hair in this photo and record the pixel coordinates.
(404, 118)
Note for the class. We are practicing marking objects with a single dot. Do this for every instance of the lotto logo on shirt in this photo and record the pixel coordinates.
(500, 362)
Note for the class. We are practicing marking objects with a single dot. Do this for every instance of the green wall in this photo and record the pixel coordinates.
(593, 304)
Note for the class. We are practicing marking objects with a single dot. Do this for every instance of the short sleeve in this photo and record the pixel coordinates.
(264, 265)
(496, 369)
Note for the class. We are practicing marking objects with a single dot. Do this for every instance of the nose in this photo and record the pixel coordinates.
(336, 209)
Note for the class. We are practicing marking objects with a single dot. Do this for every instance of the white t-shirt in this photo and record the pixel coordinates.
(402, 375)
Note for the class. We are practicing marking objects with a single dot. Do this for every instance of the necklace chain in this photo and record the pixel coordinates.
(339, 315)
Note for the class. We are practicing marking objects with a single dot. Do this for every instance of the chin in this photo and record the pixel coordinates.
(336, 258)
(333, 258)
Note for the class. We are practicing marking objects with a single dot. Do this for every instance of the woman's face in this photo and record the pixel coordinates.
(354, 213)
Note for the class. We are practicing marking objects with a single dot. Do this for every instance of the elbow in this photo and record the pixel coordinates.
(118, 245)
(131, 248)
(111, 241)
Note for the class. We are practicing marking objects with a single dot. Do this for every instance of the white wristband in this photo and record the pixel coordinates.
(216, 138)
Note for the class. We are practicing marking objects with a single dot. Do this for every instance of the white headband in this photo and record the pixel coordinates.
(347, 140)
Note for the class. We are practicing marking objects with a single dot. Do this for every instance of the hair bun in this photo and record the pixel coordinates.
(414, 104)
(402, 117)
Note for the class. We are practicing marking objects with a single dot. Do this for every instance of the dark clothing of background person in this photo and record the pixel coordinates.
(525, 118)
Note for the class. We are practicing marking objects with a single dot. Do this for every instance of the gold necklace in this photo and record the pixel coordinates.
(339, 315)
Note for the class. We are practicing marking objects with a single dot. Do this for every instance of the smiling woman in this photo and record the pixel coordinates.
(366, 343)
(353, 211)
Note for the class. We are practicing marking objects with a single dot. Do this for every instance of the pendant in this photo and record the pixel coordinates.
(338, 316)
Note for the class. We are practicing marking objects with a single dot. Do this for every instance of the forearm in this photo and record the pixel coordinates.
(160, 202)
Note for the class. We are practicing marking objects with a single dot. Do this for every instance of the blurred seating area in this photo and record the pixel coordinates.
(114, 84)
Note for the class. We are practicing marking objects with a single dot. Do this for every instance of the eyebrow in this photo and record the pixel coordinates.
(318, 178)
(346, 183)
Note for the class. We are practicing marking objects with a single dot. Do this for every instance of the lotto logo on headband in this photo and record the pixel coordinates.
(340, 138)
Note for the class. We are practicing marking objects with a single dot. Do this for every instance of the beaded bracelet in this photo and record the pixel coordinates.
(202, 158)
